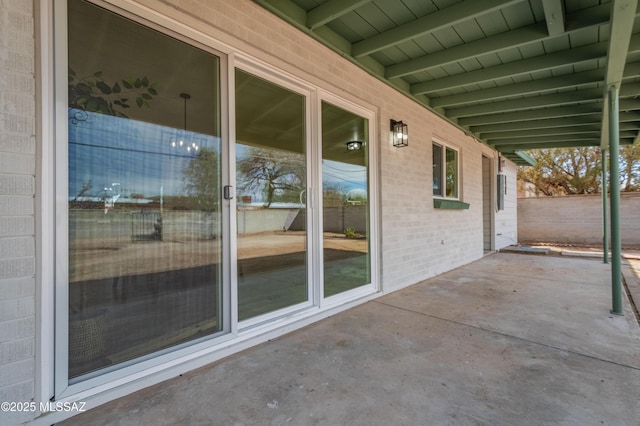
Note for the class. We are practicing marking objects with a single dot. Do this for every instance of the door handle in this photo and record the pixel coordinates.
(228, 192)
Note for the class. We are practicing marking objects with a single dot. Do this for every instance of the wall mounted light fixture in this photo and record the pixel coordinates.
(354, 145)
(400, 132)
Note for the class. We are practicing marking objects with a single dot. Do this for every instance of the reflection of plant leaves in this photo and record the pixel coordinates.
(97, 74)
(137, 83)
(126, 84)
(72, 72)
(146, 96)
(83, 89)
(145, 81)
(153, 91)
(104, 87)
(139, 101)
(116, 88)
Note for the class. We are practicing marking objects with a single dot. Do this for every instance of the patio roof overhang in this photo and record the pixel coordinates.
(517, 75)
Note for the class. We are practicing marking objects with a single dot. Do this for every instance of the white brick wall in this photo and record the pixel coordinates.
(576, 219)
(417, 240)
(17, 190)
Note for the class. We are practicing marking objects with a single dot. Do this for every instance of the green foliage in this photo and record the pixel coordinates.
(567, 171)
(94, 94)
(350, 233)
(562, 171)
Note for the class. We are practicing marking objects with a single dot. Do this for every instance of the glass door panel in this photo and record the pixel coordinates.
(345, 195)
(271, 201)
(144, 222)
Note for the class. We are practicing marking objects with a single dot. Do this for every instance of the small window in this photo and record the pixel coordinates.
(445, 171)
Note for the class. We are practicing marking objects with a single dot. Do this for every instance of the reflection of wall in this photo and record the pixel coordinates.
(253, 220)
(337, 219)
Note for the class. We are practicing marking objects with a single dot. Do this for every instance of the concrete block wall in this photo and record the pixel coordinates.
(576, 219)
(17, 190)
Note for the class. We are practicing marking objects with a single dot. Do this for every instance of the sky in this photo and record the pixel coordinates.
(136, 157)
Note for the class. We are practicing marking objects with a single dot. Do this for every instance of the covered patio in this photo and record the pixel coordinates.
(508, 339)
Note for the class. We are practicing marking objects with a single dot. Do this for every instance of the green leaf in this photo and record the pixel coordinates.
(139, 101)
(104, 87)
(145, 81)
(153, 91)
(137, 83)
(127, 85)
(116, 88)
(146, 96)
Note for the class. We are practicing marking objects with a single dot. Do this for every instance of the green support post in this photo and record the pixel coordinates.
(614, 197)
(605, 224)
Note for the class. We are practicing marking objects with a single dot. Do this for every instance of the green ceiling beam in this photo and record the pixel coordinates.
(542, 128)
(330, 10)
(543, 131)
(565, 98)
(538, 114)
(554, 16)
(525, 140)
(443, 18)
(527, 87)
(631, 71)
(620, 41)
(526, 158)
(593, 16)
(549, 123)
(545, 145)
(588, 53)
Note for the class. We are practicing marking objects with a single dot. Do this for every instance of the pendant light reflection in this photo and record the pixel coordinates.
(181, 145)
(354, 146)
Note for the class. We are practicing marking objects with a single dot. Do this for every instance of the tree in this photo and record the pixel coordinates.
(274, 172)
(566, 171)
(201, 180)
(562, 171)
(630, 167)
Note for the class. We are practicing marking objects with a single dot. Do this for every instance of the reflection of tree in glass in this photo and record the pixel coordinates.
(201, 180)
(334, 194)
(276, 173)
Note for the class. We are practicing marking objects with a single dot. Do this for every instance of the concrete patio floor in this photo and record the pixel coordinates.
(509, 339)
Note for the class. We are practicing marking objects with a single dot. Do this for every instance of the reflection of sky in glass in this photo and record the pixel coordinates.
(139, 156)
(348, 176)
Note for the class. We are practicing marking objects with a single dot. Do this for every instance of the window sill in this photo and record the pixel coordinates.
(439, 203)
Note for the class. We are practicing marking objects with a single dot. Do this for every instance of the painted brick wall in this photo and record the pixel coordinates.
(17, 190)
(417, 240)
(576, 219)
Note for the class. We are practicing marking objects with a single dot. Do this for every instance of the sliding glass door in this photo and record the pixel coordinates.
(345, 200)
(144, 205)
(271, 176)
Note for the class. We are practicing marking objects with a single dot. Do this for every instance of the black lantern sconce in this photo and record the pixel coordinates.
(400, 132)
(354, 145)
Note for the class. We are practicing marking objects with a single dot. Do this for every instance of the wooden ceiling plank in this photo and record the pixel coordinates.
(537, 63)
(554, 16)
(331, 10)
(594, 16)
(443, 18)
